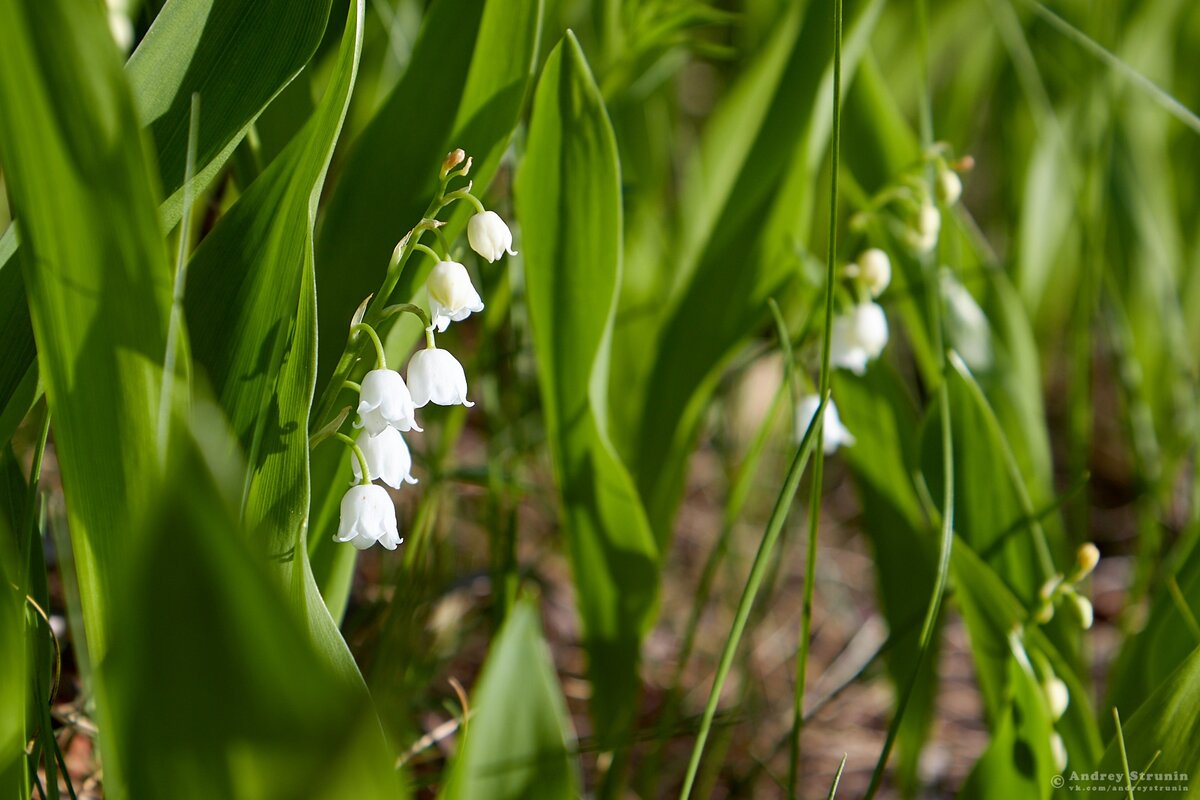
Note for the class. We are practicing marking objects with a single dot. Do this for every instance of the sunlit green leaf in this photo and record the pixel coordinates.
(518, 744)
(568, 197)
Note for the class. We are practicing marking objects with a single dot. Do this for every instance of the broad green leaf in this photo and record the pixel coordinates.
(220, 689)
(748, 199)
(194, 46)
(96, 279)
(568, 198)
(519, 744)
(251, 311)
(464, 87)
(1164, 731)
(1148, 657)
(237, 55)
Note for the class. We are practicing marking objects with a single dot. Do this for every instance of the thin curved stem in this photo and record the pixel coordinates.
(463, 194)
(814, 507)
(380, 355)
(429, 251)
(365, 478)
(758, 569)
(406, 308)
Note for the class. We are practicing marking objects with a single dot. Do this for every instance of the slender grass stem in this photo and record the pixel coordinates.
(1124, 755)
(1149, 87)
(837, 778)
(810, 561)
(758, 569)
(733, 511)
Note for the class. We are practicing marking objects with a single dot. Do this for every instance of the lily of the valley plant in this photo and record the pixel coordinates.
(387, 403)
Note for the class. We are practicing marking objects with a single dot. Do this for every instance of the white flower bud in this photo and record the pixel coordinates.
(435, 375)
(385, 400)
(1083, 609)
(858, 337)
(836, 434)
(489, 236)
(875, 269)
(1057, 696)
(452, 297)
(949, 186)
(388, 458)
(367, 517)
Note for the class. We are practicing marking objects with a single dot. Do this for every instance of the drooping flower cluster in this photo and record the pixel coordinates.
(859, 333)
(387, 403)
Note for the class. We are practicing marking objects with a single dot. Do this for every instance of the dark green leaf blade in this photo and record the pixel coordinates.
(206, 49)
(251, 310)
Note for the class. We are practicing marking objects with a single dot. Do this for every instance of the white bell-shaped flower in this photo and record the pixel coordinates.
(1058, 697)
(836, 434)
(452, 297)
(489, 236)
(858, 337)
(385, 400)
(435, 376)
(388, 458)
(875, 268)
(367, 517)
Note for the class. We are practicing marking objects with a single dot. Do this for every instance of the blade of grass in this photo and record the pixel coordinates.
(837, 778)
(1172, 106)
(814, 503)
(733, 510)
(766, 546)
(1124, 756)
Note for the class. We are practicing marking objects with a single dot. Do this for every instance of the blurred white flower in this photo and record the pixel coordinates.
(1057, 696)
(434, 375)
(367, 517)
(922, 236)
(836, 434)
(966, 324)
(387, 458)
(1058, 751)
(120, 24)
(875, 268)
(452, 297)
(858, 337)
(489, 236)
(949, 186)
(385, 400)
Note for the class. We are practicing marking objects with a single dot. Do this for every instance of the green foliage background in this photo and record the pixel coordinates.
(188, 235)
